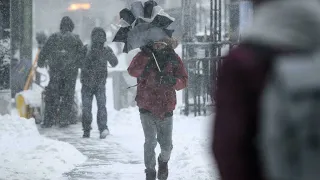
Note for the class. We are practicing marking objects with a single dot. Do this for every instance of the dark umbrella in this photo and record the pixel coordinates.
(127, 16)
(162, 21)
(160, 18)
(127, 19)
(143, 34)
(148, 8)
(137, 9)
(122, 34)
(143, 24)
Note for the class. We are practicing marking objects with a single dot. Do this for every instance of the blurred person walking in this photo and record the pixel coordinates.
(280, 28)
(94, 73)
(62, 53)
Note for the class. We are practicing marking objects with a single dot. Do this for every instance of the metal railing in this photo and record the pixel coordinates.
(203, 55)
(202, 59)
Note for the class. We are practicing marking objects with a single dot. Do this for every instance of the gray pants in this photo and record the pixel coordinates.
(156, 130)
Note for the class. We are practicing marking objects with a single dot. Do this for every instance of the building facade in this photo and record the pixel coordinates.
(4, 18)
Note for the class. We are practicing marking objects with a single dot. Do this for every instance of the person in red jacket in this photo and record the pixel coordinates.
(160, 73)
(279, 27)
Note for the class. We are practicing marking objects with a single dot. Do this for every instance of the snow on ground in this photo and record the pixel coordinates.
(25, 154)
(191, 158)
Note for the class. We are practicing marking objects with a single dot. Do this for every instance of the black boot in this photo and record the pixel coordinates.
(86, 134)
(151, 174)
(46, 125)
(64, 125)
(163, 171)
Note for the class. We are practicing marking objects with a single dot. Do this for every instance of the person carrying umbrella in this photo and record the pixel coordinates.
(156, 99)
(160, 73)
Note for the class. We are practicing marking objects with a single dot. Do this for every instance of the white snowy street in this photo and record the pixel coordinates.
(27, 155)
(120, 156)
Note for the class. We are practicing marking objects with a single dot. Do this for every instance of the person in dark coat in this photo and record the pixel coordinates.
(94, 73)
(156, 98)
(62, 53)
(279, 27)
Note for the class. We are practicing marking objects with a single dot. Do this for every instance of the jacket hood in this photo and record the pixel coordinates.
(98, 35)
(292, 24)
(66, 24)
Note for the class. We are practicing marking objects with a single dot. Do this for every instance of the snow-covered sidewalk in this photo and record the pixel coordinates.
(63, 154)
(120, 156)
(26, 155)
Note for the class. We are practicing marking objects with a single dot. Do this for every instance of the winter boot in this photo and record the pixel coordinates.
(151, 174)
(46, 125)
(64, 125)
(86, 134)
(163, 171)
(104, 133)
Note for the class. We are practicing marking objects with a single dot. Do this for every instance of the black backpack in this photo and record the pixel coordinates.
(94, 70)
(66, 50)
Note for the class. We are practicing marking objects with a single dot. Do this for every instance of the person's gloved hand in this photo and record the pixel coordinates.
(166, 79)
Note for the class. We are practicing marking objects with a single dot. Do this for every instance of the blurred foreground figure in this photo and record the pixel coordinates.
(62, 53)
(266, 123)
(94, 73)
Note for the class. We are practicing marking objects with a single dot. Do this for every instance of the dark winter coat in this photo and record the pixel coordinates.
(53, 52)
(159, 99)
(94, 68)
(279, 27)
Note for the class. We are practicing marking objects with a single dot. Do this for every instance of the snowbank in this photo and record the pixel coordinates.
(191, 158)
(25, 154)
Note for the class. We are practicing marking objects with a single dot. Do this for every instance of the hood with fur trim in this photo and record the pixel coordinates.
(172, 42)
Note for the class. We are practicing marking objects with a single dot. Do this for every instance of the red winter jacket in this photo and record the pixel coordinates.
(158, 99)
